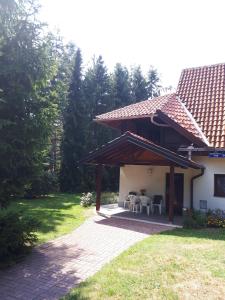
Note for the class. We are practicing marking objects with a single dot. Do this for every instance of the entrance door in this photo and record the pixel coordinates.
(179, 192)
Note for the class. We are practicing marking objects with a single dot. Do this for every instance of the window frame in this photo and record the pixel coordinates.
(216, 193)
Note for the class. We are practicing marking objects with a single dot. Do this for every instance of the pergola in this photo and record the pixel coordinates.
(131, 149)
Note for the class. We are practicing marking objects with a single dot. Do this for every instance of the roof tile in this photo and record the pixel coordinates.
(169, 105)
(203, 92)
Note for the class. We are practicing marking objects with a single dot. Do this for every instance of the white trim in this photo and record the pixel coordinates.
(194, 121)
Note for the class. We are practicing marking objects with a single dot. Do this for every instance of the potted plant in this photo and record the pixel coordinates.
(143, 192)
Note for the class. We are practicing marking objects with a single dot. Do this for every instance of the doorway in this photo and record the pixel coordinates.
(178, 191)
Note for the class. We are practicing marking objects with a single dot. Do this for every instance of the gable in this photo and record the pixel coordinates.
(168, 107)
(202, 90)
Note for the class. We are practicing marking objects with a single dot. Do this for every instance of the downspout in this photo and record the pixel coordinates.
(192, 185)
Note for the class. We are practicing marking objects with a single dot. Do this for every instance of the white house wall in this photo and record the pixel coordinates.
(204, 185)
(135, 178)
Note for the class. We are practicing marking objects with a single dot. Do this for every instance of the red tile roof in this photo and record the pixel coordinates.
(104, 156)
(169, 105)
(203, 92)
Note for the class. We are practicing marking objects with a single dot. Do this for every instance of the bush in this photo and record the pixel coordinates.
(109, 198)
(216, 218)
(86, 199)
(194, 219)
(42, 185)
(17, 236)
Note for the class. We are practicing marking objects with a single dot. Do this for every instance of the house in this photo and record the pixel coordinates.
(172, 145)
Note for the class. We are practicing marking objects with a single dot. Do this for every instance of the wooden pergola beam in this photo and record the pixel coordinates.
(99, 169)
(171, 194)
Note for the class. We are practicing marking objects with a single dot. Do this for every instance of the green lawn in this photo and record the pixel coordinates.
(178, 264)
(58, 214)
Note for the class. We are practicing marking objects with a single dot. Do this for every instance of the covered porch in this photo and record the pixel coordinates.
(117, 212)
(133, 153)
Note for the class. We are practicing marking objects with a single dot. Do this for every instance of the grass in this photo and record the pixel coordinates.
(178, 264)
(58, 214)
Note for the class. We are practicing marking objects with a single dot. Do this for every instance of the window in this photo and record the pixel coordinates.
(219, 185)
(203, 204)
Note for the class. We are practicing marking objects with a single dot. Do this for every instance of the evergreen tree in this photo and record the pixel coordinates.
(28, 105)
(153, 83)
(99, 99)
(74, 130)
(121, 87)
(61, 85)
(138, 85)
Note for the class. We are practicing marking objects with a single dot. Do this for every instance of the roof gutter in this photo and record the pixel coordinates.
(192, 185)
(156, 123)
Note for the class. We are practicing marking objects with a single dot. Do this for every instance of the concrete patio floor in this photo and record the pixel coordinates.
(52, 269)
(114, 211)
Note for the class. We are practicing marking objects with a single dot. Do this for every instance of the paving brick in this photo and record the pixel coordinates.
(55, 267)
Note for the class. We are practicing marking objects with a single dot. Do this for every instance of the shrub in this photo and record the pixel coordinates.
(194, 219)
(42, 185)
(216, 218)
(86, 199)
(109, 198)
(17, 236)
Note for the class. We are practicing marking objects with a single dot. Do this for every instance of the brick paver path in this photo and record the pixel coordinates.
(52, 269)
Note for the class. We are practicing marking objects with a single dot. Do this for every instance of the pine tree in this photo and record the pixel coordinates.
(121, 87)
(74, 130)
(99, 99)
(138, 85)
(28, 105)
(153, 83)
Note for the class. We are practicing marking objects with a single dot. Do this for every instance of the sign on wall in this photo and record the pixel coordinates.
(216, 155)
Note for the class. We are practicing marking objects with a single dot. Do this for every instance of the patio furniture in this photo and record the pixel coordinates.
(157, 202)
(126, 202)
(145, 201)
(134, 203)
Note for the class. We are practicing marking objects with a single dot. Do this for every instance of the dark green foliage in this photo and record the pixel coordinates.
(43, 184)
(17, 236)
(98, 99)
(194, 219)
(121, 87)
(74, 125)
(45, 100)
(153, 86)
(139, 85)
(28, 105)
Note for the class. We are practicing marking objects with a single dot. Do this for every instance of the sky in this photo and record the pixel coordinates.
(169, 34)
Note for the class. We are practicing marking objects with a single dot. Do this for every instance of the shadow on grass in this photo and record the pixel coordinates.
(78, 294)
(50, 211)
(204, 233)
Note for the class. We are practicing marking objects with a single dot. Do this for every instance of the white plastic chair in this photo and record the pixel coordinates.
(126, 202)
(134, 203)
(145, 201)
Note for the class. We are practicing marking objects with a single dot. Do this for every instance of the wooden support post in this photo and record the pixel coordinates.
(171, 194)
(99, 169)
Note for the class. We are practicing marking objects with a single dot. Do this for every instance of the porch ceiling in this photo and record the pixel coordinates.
(131, 149)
